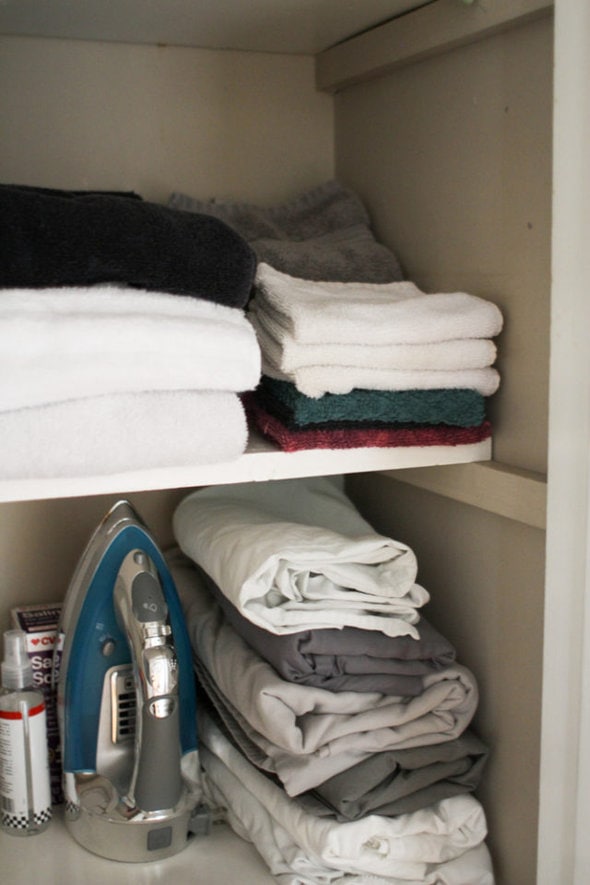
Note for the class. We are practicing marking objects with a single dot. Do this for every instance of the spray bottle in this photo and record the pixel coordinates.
(25, 797)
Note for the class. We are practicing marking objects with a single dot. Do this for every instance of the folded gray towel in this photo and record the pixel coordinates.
(324, 234)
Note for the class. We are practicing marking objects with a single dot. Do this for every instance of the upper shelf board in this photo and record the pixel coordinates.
(303, 27)
(263, 461)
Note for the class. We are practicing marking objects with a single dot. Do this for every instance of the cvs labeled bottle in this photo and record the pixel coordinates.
(25, 797)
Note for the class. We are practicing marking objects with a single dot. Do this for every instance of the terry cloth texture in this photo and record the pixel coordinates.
(404, 848)
(295, 725)
(295, 554)
(349, 659)
(56, 192)
(331, 437)
(356, 313)
(323, 234)
(287, 355)
(121, 433)
(66, 343)
(80, 239)
(315, 381)
(460, 407)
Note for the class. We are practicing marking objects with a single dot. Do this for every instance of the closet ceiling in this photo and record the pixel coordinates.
(286, 26)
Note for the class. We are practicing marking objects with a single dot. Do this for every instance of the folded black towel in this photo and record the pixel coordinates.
(51, 238)
(55, 192)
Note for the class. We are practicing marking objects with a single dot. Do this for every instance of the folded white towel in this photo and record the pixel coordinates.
(65, 343)
(282, 350)
(296, 554)
(315, 381)
(368, 313)
(408, 848)
(120, 433)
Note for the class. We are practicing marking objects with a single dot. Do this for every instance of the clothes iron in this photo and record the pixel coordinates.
(126, 699)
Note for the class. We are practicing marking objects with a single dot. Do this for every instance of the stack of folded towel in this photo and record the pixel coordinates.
(353, 355)
(334, 719)
(421, 357)
(123, 339)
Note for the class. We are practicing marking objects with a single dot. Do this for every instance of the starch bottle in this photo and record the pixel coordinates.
(25, 798)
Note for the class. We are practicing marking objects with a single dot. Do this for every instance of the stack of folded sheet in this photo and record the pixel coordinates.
(334, 719)
(376, 364)
(123, 339)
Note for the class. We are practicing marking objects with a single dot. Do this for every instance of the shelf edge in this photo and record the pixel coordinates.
(427, 31)
(498, 488)
(261, 463)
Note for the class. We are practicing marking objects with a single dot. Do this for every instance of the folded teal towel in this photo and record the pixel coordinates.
(462, 407)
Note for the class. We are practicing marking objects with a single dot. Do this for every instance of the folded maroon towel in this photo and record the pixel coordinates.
(291, 440)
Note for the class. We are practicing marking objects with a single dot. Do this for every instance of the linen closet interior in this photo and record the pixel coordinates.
(449, 147)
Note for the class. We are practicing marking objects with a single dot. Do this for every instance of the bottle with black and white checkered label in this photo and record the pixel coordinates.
(25, 796)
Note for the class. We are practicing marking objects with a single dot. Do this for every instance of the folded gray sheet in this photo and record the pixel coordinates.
(310, 734)
(388, 783)
(349, 659)
(324, 234)
(403, 781)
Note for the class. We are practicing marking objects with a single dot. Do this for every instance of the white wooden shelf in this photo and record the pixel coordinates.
(55, 858)
(262, 461)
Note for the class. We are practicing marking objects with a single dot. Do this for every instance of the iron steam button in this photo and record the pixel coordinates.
(147, 598)
(108, 646)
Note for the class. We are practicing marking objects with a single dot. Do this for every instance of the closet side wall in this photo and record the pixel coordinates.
(485, 577)
(453, 157)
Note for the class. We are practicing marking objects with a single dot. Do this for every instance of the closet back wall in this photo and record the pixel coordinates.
(244, 125)
(78, 114)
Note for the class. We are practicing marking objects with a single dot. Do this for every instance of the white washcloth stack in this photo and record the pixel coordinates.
(330, 337)
(107, 379)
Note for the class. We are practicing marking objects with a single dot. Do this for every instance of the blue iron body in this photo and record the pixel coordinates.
(102, 810)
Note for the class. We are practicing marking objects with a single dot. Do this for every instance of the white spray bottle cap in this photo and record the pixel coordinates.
(17, 671)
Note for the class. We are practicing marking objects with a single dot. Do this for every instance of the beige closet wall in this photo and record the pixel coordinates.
(76, 114)
(79, 114)
(453, 155)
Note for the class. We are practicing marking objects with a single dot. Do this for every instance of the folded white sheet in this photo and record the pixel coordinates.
(441, 845)
(282, 350)
(64, 343)
(283, 717)
(315, 381)
(296, 554)
(368, 313)
(122, 432)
